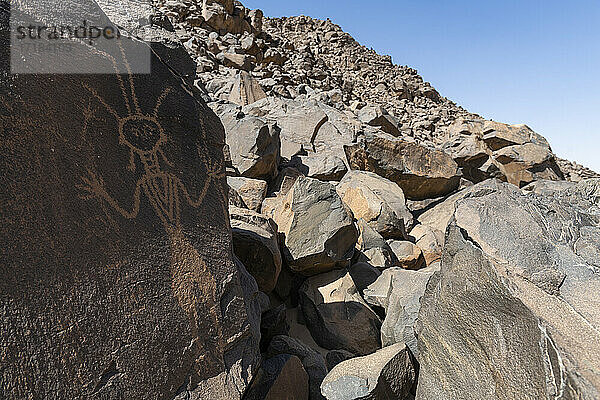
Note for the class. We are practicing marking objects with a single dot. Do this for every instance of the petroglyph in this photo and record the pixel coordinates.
(193, 284)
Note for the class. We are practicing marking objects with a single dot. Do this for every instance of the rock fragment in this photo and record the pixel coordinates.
(336, 314)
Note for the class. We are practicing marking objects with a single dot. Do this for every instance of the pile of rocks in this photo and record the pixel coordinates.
(328, 227)
(308, 59)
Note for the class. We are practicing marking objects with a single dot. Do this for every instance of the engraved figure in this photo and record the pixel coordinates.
(144, 136)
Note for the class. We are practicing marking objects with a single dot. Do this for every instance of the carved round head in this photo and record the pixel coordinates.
(141, 133)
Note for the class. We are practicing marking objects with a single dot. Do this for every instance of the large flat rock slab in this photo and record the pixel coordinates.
(514, 311)
(117, 278)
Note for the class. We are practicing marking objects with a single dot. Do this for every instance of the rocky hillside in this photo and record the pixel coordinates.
(313, 59)
(277, 212)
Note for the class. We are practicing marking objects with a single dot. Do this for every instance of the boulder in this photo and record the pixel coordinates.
(588, 189)
(430, 241)
(246, 90)
(378, 201)
(420, 172)
(226, 16)
(379, 117)
(439, 216)
(118, 278)
(299, 122)
(279, 378)
(546, 188)
(321, 166)
(319, 230)
(255, 244)
(336, 314)
(273, 56)
(372, 248)
(409, 255)
(285, 180)
(238, 61)
(515, 306)
(399, 292)
(307, 125)
(513, 153)
(256, 20)
(251, 191)
(388, 373)
(312, 361)
(253, 143)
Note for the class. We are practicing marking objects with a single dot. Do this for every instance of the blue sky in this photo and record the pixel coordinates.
(529, 61)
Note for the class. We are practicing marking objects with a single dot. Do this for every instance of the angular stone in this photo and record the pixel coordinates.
(279, 378)
(285, 180)
(307, 125)
(255, 244)
(379, 117)
(388, 373)
(526, 163)
(430, 241)
(336, 314)
(409, 255)
(378, 201)
(546, 188)
(299, 122)
(312, 361)
(239, 61)
(117, 279)
(420, 172)
(253, 143)
(273, 56)
(497, 135)
(513, 153)
(517, 298)
(251, 191)
(246, 90)
(324, 167)
(399, 292)
(319, 231)
(439, 216)
(372, 248)
(256, 18)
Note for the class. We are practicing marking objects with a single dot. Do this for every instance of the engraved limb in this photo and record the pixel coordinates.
(214, 171)
(93, 187)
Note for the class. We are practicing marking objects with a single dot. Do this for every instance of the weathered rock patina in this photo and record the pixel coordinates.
(117, 278)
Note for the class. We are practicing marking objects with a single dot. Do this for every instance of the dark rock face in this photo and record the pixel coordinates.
(421, 173)
(255, 243)
(513, 313)
(313, 362)
(117, 278)
(280, 378)
(334, 357)
(273, 323)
